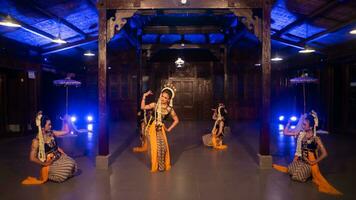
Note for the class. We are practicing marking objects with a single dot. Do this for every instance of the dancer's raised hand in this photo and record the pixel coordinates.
(149, 92)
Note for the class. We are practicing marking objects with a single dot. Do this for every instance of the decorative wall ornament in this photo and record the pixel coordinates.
(253, 23)
(115, 24)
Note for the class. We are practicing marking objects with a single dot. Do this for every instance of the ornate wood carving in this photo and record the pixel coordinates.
(253, 23)
(176, 4)
(115, 24)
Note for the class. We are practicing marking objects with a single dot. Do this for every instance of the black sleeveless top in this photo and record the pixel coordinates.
(50, 144)
(309, 145)
(164, 116)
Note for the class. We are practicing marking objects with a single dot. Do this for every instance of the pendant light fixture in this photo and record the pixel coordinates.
(306, 49)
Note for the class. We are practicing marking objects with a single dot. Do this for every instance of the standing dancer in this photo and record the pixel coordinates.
(157, 139)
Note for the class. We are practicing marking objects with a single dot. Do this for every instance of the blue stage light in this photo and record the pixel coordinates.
(280, 127)
(293, 118)
(90, 127)
(90, 135)
(89, 118)
(292, 127)
(281, 118)
(73, 118)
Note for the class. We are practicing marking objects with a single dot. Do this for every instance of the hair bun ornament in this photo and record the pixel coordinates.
(316, 119)
(172, 89)
(39, 118)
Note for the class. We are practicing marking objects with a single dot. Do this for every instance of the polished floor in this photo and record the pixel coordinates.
(197, 172)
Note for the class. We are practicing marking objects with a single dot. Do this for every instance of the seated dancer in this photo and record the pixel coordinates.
(157, 140)
(215, 138)
(305, 162)
(56, 165)
(143, 118)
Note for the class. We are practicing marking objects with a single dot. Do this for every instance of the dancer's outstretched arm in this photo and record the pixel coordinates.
(287, 131)
(60, 133)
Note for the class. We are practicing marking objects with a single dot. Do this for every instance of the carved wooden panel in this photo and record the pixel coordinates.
(115, 24)
(191, 4)
(184, 100)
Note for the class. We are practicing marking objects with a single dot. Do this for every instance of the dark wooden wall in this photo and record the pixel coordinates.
(19, 99)
(200, 86)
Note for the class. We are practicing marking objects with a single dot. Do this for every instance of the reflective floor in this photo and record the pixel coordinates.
(197, 172)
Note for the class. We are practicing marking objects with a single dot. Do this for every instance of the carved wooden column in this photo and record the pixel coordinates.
(264, 152)
(102, 160)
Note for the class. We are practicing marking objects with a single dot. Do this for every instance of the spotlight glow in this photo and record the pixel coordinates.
(183, 2)
(307, 50)
(281, 118)
(277, 59)
(59, 41)
(280, 127)
(90, 127)
(89, 54)
(292, 127)
(353, 32)
(73, 118)
(293, 118)
(9, 22)
(89, 118)
(90, 135)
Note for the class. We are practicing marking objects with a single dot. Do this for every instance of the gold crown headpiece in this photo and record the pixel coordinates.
(172, 89)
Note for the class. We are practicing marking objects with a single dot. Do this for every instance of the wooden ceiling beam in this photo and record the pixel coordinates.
(176, 4)
(330, 30)
(49, 14)
(181, 29)
(316, 13)
(180, 46)
(69, 45)
(31, 28)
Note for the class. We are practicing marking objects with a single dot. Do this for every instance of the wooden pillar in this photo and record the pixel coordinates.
(345, 95)
(226, 80)
(264, 151)
(102, 83)
(327, 96)
(139, 77)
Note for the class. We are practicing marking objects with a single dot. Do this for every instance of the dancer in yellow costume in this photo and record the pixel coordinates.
(215, 138)
(306, 159)
(157, 140)
(56, 165)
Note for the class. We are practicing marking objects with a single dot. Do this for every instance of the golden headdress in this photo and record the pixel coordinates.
(170, 87)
